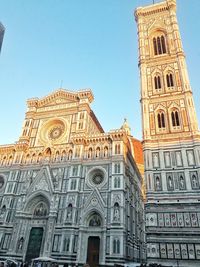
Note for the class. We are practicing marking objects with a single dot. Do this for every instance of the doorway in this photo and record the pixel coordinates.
(34, 243)
(93, 251)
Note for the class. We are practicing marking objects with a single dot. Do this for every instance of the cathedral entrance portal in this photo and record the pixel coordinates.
(93, 251)
(34, 243)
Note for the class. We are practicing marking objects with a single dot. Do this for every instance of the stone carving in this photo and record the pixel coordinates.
(95, 220)
(158, 183)
(3, 212)
(40, 210)
(190, 156)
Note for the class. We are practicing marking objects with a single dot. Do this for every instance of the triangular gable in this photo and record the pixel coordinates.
(61, 96)
(42, 182)
(94, 201)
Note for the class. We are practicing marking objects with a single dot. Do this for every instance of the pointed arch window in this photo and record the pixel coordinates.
(157, 82)
(170, 80)
(161, 120)
(175, 118)
(159, 45)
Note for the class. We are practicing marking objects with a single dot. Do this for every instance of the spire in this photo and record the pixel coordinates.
(126, 127)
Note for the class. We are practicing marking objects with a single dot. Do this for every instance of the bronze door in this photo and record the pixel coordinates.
(34, 243)
(93, 251)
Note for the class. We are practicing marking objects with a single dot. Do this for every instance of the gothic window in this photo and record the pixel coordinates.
(66, 244)
(159, 45)
(116, 246)
(117, 168)
(6, 241)
(75, 170)
(175, 118)
(161, 119)
(56, 243)
(169, 79)
(157, 82)
(117, 149)
(73, 184)
(117, 183)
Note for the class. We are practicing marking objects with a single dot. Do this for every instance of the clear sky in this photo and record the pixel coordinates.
(86, 44)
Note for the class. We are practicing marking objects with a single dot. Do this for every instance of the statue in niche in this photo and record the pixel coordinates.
(116, 214)
(95, 221)
(158, 185)
(69, 212)
(170, 184)
(181, 182)
(20, 243)
(3, 212)
(194, 181)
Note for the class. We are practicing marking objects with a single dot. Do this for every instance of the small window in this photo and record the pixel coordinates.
(117, 149)
(66, 244)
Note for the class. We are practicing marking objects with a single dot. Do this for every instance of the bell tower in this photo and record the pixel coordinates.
(171, 139)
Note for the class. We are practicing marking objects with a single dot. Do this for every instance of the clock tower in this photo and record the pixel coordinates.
(171, 139)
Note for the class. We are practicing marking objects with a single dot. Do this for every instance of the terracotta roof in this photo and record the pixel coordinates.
(138, 153)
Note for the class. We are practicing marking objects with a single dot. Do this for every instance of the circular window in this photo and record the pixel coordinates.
(97, 176)
(1, 181)
(56, 132)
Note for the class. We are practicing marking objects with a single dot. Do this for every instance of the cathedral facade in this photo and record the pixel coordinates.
(68, 190)
(171, 140)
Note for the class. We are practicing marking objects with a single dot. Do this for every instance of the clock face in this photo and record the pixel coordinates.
(55, 132)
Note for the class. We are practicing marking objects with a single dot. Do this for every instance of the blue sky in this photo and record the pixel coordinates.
(86, 44)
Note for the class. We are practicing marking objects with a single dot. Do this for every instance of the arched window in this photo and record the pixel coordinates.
(155, 46)
(98, 152)
(169, 79)
(159, 45)
(157, 82)
(116, 246)
(161, 120)
(175, 118)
